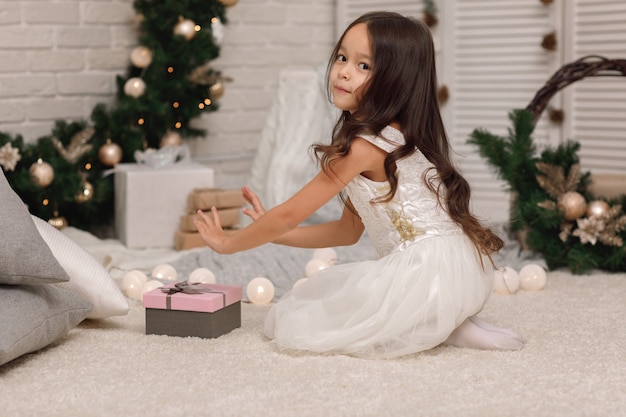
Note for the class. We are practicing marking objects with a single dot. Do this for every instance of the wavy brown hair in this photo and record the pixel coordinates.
(402, 89)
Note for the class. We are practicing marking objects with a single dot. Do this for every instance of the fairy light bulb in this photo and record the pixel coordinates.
(327, 254)
(202, 275)
(260, 290)
(314, 266)
(165, 271)
(133, 282)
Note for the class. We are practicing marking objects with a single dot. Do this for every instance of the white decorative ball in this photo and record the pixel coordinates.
(314, 266)
(185, 28)
(299, 282)
(153, 284)
(203, 275)
(141, 57)
(532, 277)
(506, 281)
(598, 208)
(327, 254)
(165, 271)
(260, 290)
(132, 282)
(134, 87)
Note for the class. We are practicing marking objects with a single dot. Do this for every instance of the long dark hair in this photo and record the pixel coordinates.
(402, 89)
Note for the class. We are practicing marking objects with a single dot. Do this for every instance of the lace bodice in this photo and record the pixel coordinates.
(414, 212)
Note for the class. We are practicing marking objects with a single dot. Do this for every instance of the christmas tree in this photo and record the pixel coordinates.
(168, 84)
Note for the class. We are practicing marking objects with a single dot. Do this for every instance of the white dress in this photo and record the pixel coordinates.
(428, 279)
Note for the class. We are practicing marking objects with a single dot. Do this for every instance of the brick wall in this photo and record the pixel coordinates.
(59, 58)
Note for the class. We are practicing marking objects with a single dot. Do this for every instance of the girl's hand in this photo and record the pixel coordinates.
(210, 228)
(257, 208)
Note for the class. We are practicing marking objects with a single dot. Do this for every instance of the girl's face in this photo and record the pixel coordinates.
(351, 68)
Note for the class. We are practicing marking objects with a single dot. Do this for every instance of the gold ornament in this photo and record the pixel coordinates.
(85, 194)
(171, 138)
(78, 146)
(110, 154)
(572, 204)
(41, 173)
(217, 90)
(229, 3)
(185, 28)
(134, 87)
(58, 222)
(598, 208)
(141, 57)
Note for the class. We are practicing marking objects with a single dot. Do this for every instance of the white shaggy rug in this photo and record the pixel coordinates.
(573, 365)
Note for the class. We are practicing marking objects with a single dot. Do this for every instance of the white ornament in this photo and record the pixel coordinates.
(532, 277)
(327, 254)
(165, 271)
(141, 57)
(185, 28)
(314, 266)
(260, 290)
(153, 284)
(217, 29)
(202, 275)
(299, 282)
(134, 87)
(132, 283)
(506, 281)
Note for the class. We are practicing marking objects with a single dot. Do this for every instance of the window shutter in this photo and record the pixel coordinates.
(497, 65)
(595, 109)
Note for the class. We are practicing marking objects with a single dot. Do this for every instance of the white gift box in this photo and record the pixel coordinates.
(149, 202)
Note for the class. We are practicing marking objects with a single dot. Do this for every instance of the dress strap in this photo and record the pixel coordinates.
(388, 140)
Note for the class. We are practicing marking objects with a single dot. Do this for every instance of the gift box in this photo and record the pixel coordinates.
(200, 310)
(149, 201)
(204, 199)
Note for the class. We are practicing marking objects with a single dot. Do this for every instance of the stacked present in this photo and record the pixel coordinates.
(228, 204)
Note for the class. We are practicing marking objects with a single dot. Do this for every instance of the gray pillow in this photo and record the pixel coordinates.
(24, 256)
(33, 316)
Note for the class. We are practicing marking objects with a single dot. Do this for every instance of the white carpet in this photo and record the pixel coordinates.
(573, 365)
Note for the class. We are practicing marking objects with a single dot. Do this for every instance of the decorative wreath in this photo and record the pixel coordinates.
(553, 210)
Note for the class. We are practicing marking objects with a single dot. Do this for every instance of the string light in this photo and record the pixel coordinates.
(178, 125)
(87, 166)
(197, 28)
(176, 104)
(141, 121)
(201, 106)
(170, 69)
(207, 101)
(45, 202)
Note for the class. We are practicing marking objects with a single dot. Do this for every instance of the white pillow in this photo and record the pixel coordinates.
(88, 278)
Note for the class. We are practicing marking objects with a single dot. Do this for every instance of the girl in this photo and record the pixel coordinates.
(390, 154)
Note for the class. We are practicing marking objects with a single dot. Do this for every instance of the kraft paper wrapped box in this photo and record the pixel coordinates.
(200, 310)
(149, 201)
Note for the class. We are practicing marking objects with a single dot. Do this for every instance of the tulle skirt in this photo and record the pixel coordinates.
(405, 302)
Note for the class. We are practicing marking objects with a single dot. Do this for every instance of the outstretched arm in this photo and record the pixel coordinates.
(288, 215)
(345, 231)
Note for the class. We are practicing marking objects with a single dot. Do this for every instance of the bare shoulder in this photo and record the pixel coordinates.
(371, 157)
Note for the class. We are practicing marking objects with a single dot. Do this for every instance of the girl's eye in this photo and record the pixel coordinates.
(341, 58)
(364, 66)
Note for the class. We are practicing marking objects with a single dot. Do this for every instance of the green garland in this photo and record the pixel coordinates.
(535, 215)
